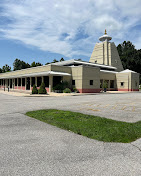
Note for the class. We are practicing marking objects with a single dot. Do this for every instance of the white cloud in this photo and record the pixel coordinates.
(43, 23)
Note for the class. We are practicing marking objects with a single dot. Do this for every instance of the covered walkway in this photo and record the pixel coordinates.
(26, 81)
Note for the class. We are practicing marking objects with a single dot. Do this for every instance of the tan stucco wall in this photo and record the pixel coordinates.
(91, 73)
(123, 77)
(37, 70)
(27, 71)
(77, 74)
(108, 76)
(135, 80)
(64, 69)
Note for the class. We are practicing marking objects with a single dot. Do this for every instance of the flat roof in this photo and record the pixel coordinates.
(108, 71)
(37, 74)
(73, 61)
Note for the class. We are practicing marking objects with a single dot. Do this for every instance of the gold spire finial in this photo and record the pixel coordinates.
(105, 31)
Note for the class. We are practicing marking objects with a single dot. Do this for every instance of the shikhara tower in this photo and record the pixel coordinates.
(106, 53)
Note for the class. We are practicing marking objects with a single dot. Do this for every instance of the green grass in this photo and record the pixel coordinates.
(94, 127)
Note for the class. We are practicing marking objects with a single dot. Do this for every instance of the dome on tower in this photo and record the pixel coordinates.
(105, 37)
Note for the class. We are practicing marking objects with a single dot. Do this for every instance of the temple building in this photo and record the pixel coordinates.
(103, 68)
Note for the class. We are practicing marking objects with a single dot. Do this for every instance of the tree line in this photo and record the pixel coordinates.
(19, 64)
(130, 57)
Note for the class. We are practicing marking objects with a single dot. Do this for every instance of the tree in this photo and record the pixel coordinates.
(35, 64)
(34, 90)
(6, 68)
(54, 61)
(42, 89)
(18, 65)
(0, 70)
(47, 63)
(62, 59)
(127, 53)
(130, 57)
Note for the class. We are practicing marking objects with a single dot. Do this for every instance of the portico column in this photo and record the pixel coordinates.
(4, 83)
(103, 84)
(109, 85)
(25, 82)
(50, 83)
(12, 83)
(21, 83)
(30, 83)
(36, 81)
(17, 83)
(42, 79)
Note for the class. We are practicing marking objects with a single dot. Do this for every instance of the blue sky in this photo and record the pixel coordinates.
(50, 29)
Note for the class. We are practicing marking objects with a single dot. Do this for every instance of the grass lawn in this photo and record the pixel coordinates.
(94, 127)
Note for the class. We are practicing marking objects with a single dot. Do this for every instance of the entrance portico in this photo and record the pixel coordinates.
(26, 81)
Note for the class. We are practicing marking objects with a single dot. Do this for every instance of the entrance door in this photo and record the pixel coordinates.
(28, 84)
(10, 83)
(56, 80)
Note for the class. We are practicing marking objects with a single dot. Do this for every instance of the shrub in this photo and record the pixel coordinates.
(58, 87)
(34, 90)
(65, 84)
(75, 90)
(67, 90)
(105, 85)
(61, 86)
(42, 89)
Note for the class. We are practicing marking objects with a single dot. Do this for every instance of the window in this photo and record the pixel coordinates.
(111, 83)
(73, 82)
(19, 81)
(136, 83)
(32, 81)
(91, 82)
(23, 81)
(39, 81)
(10, 83)
(122, 84)
(15, 81)
(46, 81)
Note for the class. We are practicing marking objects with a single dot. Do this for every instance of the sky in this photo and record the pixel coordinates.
(43, 30)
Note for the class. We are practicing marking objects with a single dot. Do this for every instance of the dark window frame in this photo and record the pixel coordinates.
(73, 82)
(121, 84)
(46, 81)
(23, 82)
(19, 81)
(91, 82)
(32, 81)
(15, 81)
(112, 83)
(39, 81)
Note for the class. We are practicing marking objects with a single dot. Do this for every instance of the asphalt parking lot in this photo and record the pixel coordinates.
(30, 147)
